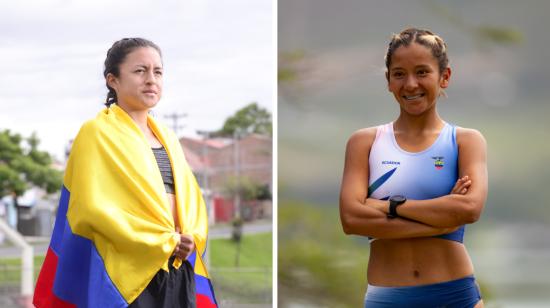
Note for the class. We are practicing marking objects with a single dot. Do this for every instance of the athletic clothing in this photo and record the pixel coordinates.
(423, 175)
(460, 293)
(165, 169)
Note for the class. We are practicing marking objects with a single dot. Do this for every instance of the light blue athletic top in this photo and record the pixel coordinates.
(421, 175)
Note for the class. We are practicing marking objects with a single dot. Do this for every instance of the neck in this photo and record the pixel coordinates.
(417, 124)
(139, 116)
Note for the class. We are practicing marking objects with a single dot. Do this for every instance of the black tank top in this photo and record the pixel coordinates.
(165, 169)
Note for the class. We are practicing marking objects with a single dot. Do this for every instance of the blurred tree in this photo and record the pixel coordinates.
(247, 188)
(484, 35)
(289, 65)
(21, 167)
(250, 119)
(263, 192)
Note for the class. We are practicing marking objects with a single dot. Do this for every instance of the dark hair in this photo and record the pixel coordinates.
(116, 55)
(423, 37)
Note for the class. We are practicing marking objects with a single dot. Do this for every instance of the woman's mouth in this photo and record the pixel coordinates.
(411, 97)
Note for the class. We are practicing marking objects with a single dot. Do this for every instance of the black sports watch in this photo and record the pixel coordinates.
(395, 201)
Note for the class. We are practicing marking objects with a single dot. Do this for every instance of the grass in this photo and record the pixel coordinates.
(250, 282)
(255, 251)
(10, 270)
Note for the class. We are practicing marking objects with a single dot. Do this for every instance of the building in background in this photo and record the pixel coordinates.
(225, 166)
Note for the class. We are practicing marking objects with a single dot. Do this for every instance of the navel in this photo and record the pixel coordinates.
(416, 274)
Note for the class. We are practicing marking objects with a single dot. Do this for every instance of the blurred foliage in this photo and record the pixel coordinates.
(247, 188)
(289, 63)
(498, 35)
(318, 264)
(249, 119)
(22, 166)
(484, 35)
(263, 192)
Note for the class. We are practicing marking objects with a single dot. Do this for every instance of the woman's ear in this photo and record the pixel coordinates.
(112, 81)
(445, 78)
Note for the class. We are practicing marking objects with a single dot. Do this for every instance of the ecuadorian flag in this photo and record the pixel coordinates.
(114, 228)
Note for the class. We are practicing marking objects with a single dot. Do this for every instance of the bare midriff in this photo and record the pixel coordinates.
(417, 261)
(172, 202)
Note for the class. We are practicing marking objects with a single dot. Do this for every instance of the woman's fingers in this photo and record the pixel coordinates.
(176, 250)
(457, 185)
(186, 238)
(181, 251)
(185, 246)
(462, 185)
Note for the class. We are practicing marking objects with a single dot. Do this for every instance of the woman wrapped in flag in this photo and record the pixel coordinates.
(131, 226)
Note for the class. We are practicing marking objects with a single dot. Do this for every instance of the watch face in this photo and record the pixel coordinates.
(398, 198)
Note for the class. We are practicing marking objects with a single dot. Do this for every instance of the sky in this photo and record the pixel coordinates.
(217, 56)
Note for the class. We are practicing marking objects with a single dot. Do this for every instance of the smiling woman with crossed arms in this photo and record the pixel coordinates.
(411, 185)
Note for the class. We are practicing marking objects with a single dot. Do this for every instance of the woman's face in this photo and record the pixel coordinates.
(139, 84)
(414, 78)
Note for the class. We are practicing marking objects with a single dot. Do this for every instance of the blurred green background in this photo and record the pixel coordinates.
(331, 83)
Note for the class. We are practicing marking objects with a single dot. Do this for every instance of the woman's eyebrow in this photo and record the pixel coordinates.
(422, 66)
(426, 66)
(147, 66)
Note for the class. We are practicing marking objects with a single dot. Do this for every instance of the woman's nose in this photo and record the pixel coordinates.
(411, 83)
(150, 77)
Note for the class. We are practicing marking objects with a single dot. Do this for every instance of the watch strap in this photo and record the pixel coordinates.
(395, 201)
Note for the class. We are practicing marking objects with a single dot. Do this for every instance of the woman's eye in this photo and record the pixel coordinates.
(140, 71)
(422, 72)
(398, 74)
(158, 73)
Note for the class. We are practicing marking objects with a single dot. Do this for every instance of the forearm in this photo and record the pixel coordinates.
(444, 212)
(360, 219)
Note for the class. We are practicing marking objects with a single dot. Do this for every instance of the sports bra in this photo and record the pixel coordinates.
(165, 169)
(427, 174)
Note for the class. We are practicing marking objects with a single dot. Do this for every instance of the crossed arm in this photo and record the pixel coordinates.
(418, 218)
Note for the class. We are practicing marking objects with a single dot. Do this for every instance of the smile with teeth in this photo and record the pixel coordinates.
(411, 97)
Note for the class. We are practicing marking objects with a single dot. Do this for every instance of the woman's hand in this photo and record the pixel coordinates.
(462, 185)
(185, 246)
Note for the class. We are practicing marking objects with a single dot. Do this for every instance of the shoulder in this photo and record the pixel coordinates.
(469, 136)
(91, 129)
(84, 147)
(362, 139)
